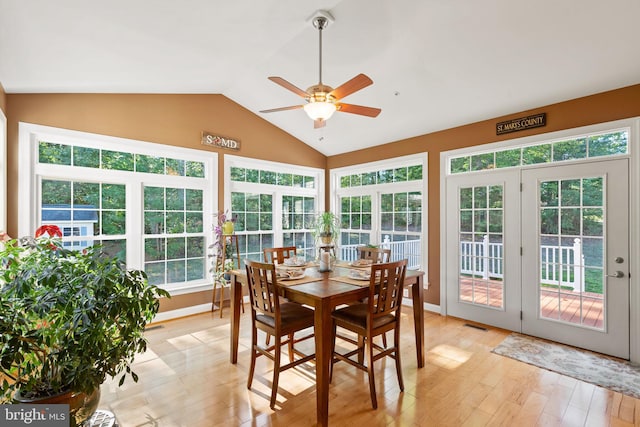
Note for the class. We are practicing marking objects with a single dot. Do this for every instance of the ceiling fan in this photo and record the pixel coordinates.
(323, 100)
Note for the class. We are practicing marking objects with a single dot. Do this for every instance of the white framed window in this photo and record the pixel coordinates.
(383, 204)
(148, 203)
(274, 203)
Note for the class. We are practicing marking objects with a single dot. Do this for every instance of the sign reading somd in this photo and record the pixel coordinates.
(529, 122)
(219, 141)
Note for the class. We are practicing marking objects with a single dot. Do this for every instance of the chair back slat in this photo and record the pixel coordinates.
(278, 254)
(263, 290)
(386, 287)
(377, 255)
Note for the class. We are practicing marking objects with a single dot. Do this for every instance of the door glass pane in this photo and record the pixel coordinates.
(481, 251)
(571, 236)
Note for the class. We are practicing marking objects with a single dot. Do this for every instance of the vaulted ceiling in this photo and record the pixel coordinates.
(435, 64)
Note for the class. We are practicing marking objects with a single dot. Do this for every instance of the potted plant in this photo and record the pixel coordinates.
(68, 320)
(222, 250)
(326, 227)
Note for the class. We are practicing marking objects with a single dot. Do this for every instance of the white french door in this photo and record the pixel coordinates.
(576, 255)
(483, 248)
(543, 251)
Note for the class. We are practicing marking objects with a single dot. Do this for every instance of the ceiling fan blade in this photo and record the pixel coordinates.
(319, 123)
(358, 109)
(273, 110)
(285, 84)
(355, 84)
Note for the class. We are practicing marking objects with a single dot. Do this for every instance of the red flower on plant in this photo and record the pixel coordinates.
(51, 230)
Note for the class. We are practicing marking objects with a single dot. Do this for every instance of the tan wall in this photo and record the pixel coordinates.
(166, 119)
(604, 107)
(179, 119)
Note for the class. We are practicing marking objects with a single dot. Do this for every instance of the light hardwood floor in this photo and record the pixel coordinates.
(186, 379)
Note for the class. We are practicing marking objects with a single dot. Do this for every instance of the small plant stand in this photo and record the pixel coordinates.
(227, 239)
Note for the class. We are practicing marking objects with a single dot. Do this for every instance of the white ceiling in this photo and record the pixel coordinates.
(435, 64)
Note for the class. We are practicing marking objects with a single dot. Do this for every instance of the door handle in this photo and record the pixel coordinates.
(618, 274)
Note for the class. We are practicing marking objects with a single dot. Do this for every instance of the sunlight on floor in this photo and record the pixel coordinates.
(447, 356)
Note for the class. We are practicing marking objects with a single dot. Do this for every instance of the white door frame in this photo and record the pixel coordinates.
(634, 208)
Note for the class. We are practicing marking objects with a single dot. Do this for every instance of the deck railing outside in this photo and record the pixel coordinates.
(409, 249)
(560, 265)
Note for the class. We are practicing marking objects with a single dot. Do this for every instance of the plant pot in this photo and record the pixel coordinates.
(81, 405)
(326, 240)
(227, 227)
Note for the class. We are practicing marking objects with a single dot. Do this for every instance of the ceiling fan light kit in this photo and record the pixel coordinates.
(323, 100)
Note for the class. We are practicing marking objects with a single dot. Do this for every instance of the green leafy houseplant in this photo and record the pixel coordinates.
(326, 227)
(68, 319)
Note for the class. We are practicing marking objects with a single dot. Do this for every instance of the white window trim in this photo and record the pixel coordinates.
(634, 203)
(402, 161)
(28, 187)
(535, 140)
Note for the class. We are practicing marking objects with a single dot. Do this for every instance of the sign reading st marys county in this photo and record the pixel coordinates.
(529, 122)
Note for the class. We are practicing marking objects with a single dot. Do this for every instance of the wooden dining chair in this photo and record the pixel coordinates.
(378, 315)
(271, 255)
(277, 256)
(377, 255)
(275, 317)
(374, 254)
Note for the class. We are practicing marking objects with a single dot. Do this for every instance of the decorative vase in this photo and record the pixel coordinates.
(81, 405)
(227, 227)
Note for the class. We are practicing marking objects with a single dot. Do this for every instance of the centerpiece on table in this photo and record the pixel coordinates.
(68, 319)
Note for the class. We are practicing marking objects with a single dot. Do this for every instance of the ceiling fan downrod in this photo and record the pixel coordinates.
(320, 22)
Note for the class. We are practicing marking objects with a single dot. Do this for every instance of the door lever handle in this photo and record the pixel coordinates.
(618, 274)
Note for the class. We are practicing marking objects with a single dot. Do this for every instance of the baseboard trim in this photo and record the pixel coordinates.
(182, 312)
(432, 307)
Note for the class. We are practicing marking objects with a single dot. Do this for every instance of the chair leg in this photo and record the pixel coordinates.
(360, 349)
(396, 340)
(291, 347)
(276, 372)
(333, 350)
(252, 364)
(372, 379)
(384, 340)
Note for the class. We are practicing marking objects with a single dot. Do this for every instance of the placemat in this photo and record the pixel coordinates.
(349, 280)
(305, 279)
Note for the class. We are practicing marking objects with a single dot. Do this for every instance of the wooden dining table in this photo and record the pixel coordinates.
(324, 291)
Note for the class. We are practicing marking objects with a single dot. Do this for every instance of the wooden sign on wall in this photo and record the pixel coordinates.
(529, 122)
(219, 141)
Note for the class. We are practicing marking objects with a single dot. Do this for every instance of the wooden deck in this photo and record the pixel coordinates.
(564, 305)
